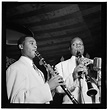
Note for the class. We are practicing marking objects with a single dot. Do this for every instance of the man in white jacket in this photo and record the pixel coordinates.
(26, 84)
(69, 70)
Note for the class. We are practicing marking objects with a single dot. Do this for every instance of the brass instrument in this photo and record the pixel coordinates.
(91, 91)
(55, 73)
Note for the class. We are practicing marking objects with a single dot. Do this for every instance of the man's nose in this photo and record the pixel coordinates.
(78, 45)
(35, 46)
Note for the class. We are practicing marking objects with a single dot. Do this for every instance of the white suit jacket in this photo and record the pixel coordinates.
(24, 85)
(65, 69)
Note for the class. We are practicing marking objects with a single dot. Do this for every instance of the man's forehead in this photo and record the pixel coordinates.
(76, 39)
(30, 39)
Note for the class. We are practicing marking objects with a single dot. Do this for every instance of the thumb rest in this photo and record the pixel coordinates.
(51, 70)
(87, 62)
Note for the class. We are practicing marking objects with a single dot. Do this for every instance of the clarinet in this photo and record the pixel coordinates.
(91, 91)
(63, 86)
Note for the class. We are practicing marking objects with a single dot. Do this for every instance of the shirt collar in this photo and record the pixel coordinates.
(28, 60)
(73, 57)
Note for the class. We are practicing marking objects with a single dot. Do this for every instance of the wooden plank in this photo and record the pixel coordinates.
(37, 9)
(60, 24)
(58, 19)
(91, 10)
(48, 15)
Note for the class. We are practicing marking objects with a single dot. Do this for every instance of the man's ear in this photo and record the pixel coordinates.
(21, 46)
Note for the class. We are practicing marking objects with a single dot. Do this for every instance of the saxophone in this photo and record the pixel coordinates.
(55, 73)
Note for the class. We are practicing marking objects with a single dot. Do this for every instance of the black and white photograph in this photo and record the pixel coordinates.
(53, 55)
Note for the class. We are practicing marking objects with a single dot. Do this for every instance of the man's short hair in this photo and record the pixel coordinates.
(22, 39)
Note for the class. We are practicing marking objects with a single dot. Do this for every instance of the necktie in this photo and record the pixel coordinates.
(34, 66)
(37, 70)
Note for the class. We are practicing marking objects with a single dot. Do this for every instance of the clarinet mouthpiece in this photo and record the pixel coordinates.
(78, 54)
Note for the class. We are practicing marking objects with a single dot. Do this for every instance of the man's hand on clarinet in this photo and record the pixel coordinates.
(79, 70)
(55, 81)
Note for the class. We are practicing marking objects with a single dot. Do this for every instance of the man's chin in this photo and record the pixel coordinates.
(34, 56)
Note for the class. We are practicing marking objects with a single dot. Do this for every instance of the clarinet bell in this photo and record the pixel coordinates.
(91, 91)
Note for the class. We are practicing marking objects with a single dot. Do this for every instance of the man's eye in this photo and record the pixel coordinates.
(73, 44)
(31, 43)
